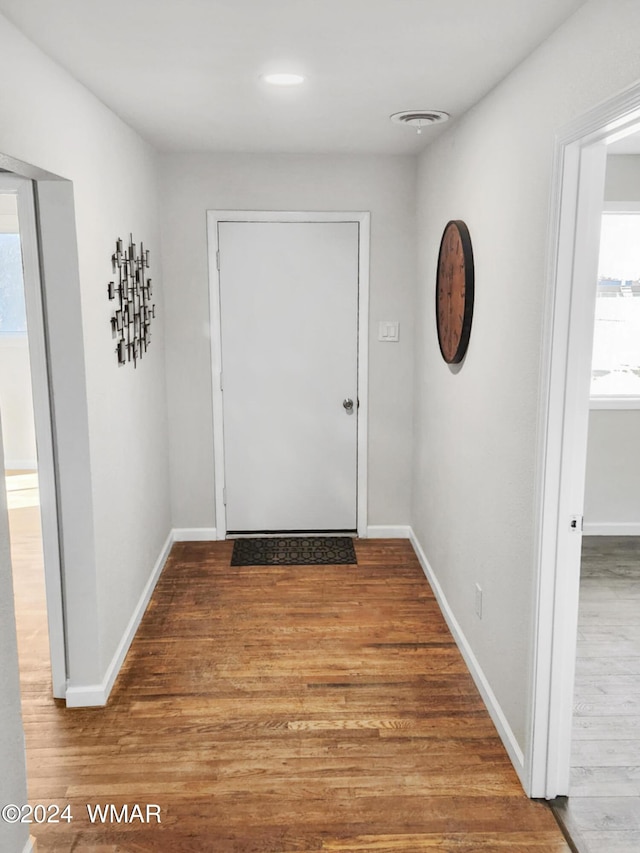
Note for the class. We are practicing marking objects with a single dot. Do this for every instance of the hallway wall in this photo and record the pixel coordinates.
(195, 183)
(476, 430)
(50, 121)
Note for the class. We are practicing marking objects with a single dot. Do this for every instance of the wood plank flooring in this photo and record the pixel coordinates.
(604, 802)
(314, 708)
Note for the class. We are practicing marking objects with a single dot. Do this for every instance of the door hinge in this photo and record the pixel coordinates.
(576, 523)
(224, 495)
(218, 260)
(221, 380)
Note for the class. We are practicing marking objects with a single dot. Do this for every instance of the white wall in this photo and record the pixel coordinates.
(612, 496)
(13, 779)
(191, 184)
(16, 404)
(622, 182)
(51, 121)
(476, 430)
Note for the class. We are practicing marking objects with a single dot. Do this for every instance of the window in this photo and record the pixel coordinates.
(615, 369)
(12, 309)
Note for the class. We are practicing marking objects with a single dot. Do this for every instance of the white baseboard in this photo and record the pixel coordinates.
(609, 528)
(388, 531)
(87, 695)
(195, 534)
(493, 706)
(90, 695)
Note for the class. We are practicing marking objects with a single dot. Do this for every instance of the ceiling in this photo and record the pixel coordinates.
(186, 73)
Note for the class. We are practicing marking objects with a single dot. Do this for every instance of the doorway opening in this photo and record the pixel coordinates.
(27, 429)
(579, 187)
(46, 212)
(606, 713)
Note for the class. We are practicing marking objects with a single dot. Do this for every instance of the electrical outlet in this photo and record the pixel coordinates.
(478, 601)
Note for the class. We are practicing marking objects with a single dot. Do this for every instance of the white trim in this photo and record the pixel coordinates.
(12, 339)
(215, 325)
(43, 421)
(20, 465)
(621, 207)
(44, 429)
(89, 695)
(577, 191)
(614, 403)
(389, 531)
(612, 528)
(30, 846)
(194, 534)
(68, 381)
(482, 683)
(364, 241)
(363, 218)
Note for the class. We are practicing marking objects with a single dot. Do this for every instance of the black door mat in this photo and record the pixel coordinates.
(294, 551)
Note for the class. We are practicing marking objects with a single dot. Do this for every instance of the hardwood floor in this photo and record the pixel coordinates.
(312, 708)
(604, 802)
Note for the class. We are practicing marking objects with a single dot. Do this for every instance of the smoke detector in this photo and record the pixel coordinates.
(419, 118)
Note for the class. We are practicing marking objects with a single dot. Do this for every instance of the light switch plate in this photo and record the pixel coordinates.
(389, 331)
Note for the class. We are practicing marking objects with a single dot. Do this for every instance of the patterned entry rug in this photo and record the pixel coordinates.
(294, 551)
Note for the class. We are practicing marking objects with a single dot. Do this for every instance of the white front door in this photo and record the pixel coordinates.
(289, 329)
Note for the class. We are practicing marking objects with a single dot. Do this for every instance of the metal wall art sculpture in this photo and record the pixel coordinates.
(131, 320)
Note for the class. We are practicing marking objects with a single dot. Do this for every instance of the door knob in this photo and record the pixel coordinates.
(348, 404)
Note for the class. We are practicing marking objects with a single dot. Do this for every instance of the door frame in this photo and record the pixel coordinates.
(23, 189)
(363, 219)
(576, 207)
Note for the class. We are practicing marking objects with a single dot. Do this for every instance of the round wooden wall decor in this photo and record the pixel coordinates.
(454, 291)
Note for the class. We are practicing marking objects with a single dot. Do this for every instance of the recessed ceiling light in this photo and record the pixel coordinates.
(283, 79)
